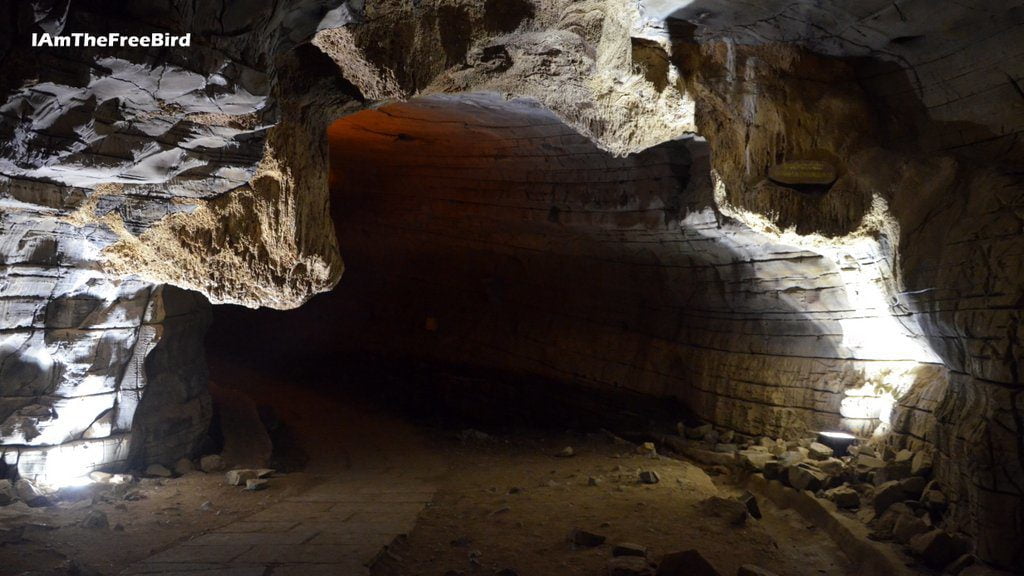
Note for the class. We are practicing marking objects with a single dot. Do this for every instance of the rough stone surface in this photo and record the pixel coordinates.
(211, 463)
(888, 300)
(888, 494)
(629, 566)
(844, 497)
(7, 492)
(686, 563)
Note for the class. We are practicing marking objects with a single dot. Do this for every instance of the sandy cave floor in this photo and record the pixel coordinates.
(502, 501)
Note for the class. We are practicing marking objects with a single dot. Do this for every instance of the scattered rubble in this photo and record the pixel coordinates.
(889, 490)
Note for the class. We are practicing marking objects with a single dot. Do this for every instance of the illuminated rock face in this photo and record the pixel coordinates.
(767, 308)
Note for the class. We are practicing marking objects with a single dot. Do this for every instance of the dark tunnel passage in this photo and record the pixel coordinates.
(489, 240)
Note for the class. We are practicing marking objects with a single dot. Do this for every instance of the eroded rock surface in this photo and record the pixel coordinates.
(582, 240)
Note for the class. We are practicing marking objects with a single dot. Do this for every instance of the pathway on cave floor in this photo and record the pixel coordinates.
(371, 475)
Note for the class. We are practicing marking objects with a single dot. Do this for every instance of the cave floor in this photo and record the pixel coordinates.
(468, 503)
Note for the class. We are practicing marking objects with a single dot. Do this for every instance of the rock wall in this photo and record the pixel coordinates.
(124, 171)
(950, 186)
(576, 240)
(492, 234)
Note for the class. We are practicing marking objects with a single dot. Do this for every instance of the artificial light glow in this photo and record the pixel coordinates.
(69, 465)
(838, 435)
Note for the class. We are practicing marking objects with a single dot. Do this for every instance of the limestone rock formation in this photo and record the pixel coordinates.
(598, 180)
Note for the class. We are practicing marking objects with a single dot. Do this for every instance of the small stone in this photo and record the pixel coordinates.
(712, 437)
(100, 477)
(791, 458)
(750, 501)
(844, 497)
(583, 539)
(649, 477)
(593, 481)
(629, 549)
(937, 548)
(183, 466)
(726, 436)
(892, 471)
(256, 484)
(907, 526)
(869, 462)
(734, 511)
(29, 494)
(819, 451)
(629, 566)
(904, 456)
(804, 476)
(211, 463)
(7, 494)
(157, 471)
(647, 449)
(888, 494)
(95, 519)
(697, 432)
(751, 570)
(830, 466)
(913, 487)
(688, 563)
(772, 470)
(566, 452)
(240, 477)
(922, 464)
(754, 460)
(934, 501)
(206, 506)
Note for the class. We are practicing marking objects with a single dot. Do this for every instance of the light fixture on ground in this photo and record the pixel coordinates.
(839, 442)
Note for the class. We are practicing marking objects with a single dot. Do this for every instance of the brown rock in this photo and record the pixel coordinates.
(818, 451)
(629, 566)
(888, 494)
(687, 563)
(750, 501)
(806, 477)
(629, 549)
(583, 539)
(843, 497)
(937, 548)
(907, 526)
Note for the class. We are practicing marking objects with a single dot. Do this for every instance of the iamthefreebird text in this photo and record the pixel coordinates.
(111, 40)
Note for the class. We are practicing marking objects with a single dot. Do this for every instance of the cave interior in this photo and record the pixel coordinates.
(514, 287)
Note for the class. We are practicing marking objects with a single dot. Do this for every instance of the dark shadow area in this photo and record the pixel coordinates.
(502, 271)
